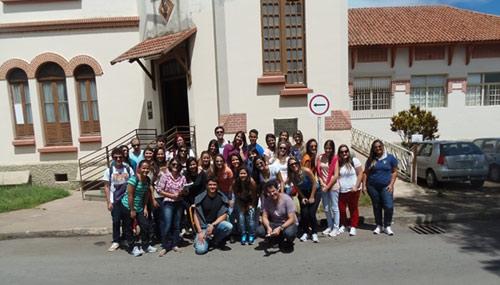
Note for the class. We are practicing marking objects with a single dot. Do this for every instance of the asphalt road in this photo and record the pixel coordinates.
(466, 254)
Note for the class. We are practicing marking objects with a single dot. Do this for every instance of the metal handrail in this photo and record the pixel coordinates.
(361, 142)
(92, 165)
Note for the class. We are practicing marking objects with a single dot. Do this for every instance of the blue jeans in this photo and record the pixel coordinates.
(381, 199)
(172, 212)
(221, 231)
(246, 221)
(117, 221)
(331, 206)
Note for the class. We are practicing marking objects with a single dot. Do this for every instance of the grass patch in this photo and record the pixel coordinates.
(364, 200)
(28, 196)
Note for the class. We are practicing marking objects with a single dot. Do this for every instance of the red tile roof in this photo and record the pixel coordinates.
(420, 25)
(155, 46)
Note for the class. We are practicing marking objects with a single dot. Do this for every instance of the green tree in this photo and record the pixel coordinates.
(414, 121)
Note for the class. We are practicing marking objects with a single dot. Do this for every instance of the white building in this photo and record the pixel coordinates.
(444, 59)
(243, 64)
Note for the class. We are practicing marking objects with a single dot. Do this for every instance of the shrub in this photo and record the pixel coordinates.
(414, 121)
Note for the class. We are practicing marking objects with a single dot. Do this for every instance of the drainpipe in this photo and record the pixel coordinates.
(216, 60)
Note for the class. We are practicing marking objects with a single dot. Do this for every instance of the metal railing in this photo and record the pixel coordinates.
(91, 166)
(187, 132)
(361, 142)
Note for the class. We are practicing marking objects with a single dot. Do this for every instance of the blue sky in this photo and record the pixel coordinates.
(485, 6)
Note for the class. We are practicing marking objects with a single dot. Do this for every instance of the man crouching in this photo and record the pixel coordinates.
(210, 218)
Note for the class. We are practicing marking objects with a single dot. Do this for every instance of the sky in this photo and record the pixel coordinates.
(485, 6)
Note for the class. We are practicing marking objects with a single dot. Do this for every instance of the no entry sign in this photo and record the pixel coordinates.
(319, 105)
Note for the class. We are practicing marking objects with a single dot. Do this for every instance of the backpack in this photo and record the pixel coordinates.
(122, 188)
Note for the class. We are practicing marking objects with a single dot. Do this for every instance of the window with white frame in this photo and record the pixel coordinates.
(483, 89)
(428, 91)
(371, 93)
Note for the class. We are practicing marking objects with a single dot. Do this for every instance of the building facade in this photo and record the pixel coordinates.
(443, 59)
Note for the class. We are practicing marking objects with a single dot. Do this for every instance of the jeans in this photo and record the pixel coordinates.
(381, 199)
(308, 215)
(158, 220)
(220, 232)
(117, 221)
(246, 221)
(172, 212)
(144, 224)
(349, 199)
(331, 206)
(289, 233)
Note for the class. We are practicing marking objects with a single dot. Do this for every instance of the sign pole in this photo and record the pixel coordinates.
(320, 144)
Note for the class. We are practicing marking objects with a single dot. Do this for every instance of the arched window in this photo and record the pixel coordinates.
(87, 100)
(21, 103)
(54, 102)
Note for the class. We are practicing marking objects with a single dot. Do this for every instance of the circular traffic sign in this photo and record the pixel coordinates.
(319, 104)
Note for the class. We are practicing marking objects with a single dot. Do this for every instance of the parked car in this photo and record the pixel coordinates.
(491, 149)
(439, 161)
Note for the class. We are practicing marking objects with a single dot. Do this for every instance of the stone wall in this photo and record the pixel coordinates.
(44, 173)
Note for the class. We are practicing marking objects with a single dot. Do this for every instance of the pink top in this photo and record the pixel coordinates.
(170, 184)
(328, 174)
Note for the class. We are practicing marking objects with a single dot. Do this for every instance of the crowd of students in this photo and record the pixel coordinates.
(242, 189)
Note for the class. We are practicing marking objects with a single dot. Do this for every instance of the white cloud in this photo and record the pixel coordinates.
(382, 3)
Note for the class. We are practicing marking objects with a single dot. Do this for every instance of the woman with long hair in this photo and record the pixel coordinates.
(170, 187)
(213, 148)
(236, 163)
(126, 158)
(160, 169)
(298, 149)
(182, 156)
(269, 152)
(350, 174)
(381, 171)
(239, 146)
(245, 191)
(309, 158)
(263, 172)
(303, 178)
(179, 142)
(284, 136)
(196, 179)
(224, 176)
(326, 166)
(281, 161)
(205, 161)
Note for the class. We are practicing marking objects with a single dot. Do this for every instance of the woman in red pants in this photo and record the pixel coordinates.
(350, 173)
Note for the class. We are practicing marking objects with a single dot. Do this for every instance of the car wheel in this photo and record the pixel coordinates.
(430, 179)
(495, 173)
(477, 183)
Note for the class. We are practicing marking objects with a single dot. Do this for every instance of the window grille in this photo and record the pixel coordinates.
(428, 91)
(372, 93)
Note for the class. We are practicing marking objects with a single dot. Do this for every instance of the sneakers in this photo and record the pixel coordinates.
(388, 231)
(341, 229)
(377, 230)
(303, 237)
(136, 251)
(335, 232)
(243, 239)
(163, 252)
(315, 238)
(352, 231)
(327, 231)
(251, 239)
(114, 246)
(151, 249)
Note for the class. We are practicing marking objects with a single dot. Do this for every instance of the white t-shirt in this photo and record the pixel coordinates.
(348, 176)
(283, 167)
(119, 179)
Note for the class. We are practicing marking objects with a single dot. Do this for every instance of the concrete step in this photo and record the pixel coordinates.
(94, 195)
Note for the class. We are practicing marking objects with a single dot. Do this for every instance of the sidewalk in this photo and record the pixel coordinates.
(73, 216)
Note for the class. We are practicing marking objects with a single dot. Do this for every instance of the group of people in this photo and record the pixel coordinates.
(242, 189)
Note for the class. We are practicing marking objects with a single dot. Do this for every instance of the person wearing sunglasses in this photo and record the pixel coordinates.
(381, 171)
(305, 182)
(219, 137)
(170, 187)
(115, 185)
(350, 174)
(137, 154)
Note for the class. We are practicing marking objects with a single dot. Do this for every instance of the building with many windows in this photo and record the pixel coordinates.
(77, 74)
(443, 59)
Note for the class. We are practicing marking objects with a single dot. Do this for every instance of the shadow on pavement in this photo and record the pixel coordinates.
(472, 235)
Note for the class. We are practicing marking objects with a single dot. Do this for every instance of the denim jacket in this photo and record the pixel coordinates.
(198, 203)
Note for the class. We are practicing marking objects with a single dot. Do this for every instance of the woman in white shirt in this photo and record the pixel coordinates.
(349, 172)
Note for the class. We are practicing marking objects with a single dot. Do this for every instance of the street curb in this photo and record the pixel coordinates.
(440, 217)
(75, 232)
